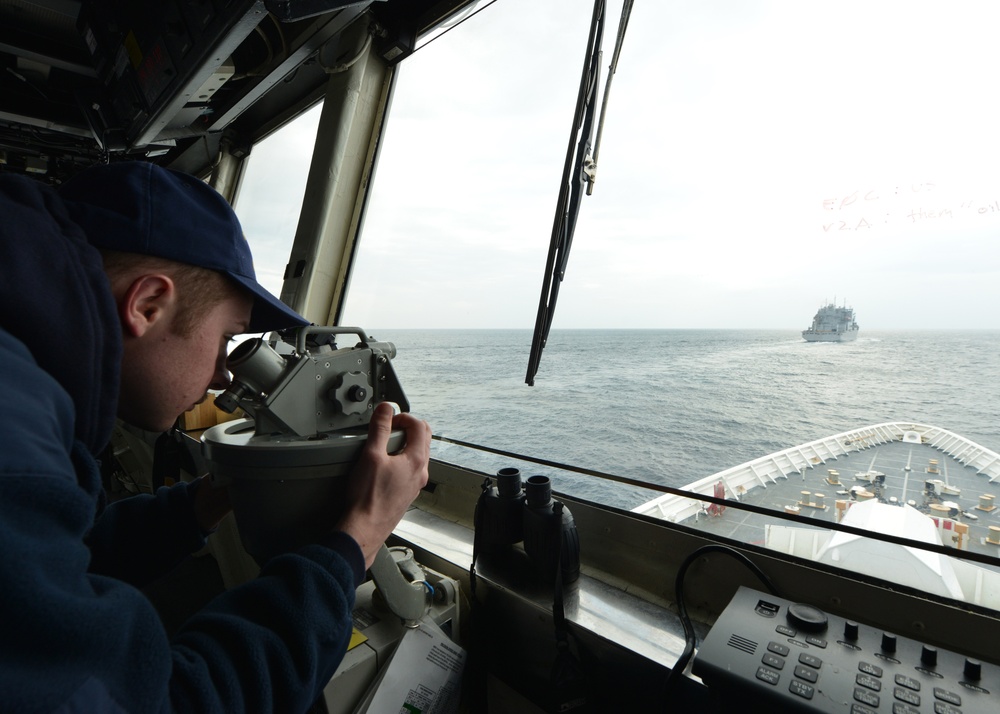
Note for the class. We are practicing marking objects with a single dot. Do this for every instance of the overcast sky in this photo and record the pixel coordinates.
(758, 159)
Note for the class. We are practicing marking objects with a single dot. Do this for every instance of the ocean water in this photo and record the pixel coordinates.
(673, 406)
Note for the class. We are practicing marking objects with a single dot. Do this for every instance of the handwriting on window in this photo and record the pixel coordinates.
(917, 203)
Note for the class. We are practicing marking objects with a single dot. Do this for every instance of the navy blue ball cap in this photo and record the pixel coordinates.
(139, 207)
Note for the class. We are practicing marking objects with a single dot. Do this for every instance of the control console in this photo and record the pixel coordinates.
(768, 654)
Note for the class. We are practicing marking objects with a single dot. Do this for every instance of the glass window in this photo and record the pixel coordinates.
(760, 161)
(270, 197)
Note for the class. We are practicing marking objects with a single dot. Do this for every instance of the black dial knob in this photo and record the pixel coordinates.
(850, 630)
(807, 617)
(888, 642)
(928, 656)
(973, 669)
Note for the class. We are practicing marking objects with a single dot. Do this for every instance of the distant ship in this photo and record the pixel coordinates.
(832, 324)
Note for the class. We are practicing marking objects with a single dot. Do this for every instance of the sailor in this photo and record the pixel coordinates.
(119, 294)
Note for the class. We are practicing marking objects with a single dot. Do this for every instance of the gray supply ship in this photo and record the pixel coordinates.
(832, 324)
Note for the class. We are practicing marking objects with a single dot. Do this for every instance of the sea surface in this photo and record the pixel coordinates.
(673, 406)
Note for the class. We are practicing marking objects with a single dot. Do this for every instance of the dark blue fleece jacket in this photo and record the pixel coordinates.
(75, 633)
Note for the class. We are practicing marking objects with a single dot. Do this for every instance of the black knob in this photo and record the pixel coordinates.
(357, 393)
(928, 656)
(973, 669)
(888, 642)
(807, 617)
(850, 630)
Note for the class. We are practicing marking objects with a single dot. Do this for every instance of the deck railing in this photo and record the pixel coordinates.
(768, 469)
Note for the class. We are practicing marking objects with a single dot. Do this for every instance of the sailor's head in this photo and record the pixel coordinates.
(139, 207)
(182, 279)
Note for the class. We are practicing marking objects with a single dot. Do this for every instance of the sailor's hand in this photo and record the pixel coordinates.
(383, 486)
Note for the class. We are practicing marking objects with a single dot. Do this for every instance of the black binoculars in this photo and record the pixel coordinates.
(507, 514)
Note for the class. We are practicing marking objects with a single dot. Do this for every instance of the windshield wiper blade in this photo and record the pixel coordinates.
(577, 171)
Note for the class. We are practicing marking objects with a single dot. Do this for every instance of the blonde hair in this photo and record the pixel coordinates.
(198, 289)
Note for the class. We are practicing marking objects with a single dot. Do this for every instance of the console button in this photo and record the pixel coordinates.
(866, 697)
(868, 668)
(908, 682)
(862, 709)
(868, 681)
(900, 708)
(942, 708)
(945, 696)
(804, 690)
(773, 661)
(785, 630)
(804, 673)
(816, 642)
(810, 660)
(767, 675)
(778, 648)
(906, 695)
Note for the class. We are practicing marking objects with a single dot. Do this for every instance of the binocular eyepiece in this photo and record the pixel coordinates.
(507, 514)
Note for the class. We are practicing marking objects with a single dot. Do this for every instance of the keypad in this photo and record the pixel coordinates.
(856, 669)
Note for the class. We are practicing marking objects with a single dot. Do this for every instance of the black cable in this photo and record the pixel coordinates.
(474, 681)
(477, 528)
(690, 636)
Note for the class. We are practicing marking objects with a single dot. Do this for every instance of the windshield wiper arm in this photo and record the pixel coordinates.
(576, 172)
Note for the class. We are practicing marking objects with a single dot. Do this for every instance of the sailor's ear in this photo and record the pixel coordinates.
(148, 300)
